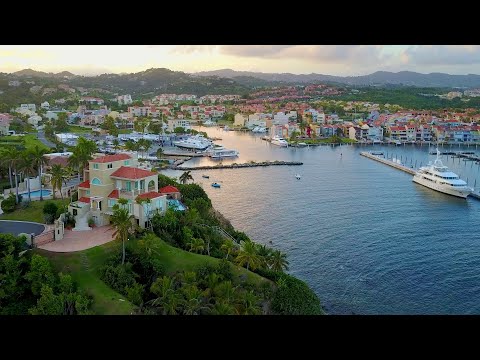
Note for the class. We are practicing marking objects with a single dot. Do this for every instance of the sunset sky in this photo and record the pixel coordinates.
(298, 59)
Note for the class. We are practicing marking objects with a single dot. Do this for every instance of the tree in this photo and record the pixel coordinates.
(82, 153)
(58, 175)
(264, 254)
(179, 130)
(228, 246)
(61, 124)
(38, 157)
(248, 255)
(193, 300)
(185, 177)
(122, 221)
(278, 261)
(11, 157)
(41, 273)
(196, 245)
(27, 167)
(159, 152)
(116, 144)
(249, 304)
(167, 297)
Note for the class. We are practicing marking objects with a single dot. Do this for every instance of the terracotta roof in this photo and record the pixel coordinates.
(85, 199)
(149, 195)
(110, 158)
(127, 172)
(169, 189)
(58, 160)
(114, 195)
(85, 184)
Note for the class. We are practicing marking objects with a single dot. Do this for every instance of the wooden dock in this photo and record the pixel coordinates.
(388, 162)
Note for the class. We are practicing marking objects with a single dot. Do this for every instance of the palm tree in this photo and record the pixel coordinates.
(225, 291)
(7, 157)
(264, 253)
(249, 303)
(196, 245)
(38, 156)
(147, 243)
(185, 177)
(228, 246)
(57, 173)
(222, 308)
(193, 300)
(159, 153)
(16, 161)
(248, 255)
(116, 144)
(278, 261)
(27, 167)
(167, 298)
(82, 153)
(74, 163)
(122, 222)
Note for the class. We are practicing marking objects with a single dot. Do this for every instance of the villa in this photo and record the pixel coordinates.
(109, 178)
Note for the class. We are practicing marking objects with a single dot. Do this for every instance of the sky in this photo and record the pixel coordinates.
(342, 60)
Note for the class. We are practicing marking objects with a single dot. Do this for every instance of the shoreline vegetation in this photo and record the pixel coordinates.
(190, 262)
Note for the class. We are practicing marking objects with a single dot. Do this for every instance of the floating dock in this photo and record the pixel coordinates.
(389, 163)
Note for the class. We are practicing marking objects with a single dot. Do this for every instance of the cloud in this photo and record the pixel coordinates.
(190, 49)
(442, 55)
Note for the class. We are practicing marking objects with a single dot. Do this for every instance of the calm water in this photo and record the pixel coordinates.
(364, 236)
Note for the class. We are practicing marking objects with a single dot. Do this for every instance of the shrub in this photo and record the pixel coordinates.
(118, 277)
(8, 205)
(91, 222)
(75, 196)
(224, 268)
(49, 218)
(294, 297)
(135, 293)
(50, 208)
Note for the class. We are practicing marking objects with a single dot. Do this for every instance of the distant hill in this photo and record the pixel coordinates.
(34, 73)
(407, 78)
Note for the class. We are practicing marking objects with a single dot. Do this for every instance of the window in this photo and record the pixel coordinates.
(95, 166)
(126, 162)
(96, 181)
(111, 202)
(88, 192)
(109, 166)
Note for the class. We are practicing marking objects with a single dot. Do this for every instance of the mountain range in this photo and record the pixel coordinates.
(407, 78)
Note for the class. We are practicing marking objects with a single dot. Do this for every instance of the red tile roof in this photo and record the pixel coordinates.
(110, 158)
(149, 195)
(169, 189)
(127, 172)
(114, 195)
(85, 200)
(60, 160)
(85, 184)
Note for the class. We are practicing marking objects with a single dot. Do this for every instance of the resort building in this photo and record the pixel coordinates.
(109, 178)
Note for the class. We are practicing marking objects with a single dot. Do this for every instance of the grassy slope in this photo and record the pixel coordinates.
(33, 213)
(84, 267)
(31, 140)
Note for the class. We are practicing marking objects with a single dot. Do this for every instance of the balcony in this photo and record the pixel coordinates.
(133, 193)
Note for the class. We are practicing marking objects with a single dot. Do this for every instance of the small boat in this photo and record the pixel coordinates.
(205, 176)
(298, 176)
(216, 185)
(300, 144)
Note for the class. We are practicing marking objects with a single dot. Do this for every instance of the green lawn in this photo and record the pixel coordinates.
(34, 212)
(31, 140)
(79, 129)
(124, 131)
(224, 122)
(84, 267)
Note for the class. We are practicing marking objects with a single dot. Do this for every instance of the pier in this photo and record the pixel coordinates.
(388, 162)
(236, 166)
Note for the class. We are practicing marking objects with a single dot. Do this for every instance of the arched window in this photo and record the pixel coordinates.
(151, 185)
(96, 181)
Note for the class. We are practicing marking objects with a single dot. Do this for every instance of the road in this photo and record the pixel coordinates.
(17, 227)
(45, 141)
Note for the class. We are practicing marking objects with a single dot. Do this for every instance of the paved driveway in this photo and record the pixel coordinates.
(81, 240)
(17, 227)
(44, 140)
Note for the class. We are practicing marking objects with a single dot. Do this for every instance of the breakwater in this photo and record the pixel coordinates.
(237, 166)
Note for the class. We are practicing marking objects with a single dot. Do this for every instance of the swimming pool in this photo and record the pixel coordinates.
(36, 193)
(176, 205)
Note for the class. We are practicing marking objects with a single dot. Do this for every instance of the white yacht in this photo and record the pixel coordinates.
(259, 129)
(194, 142)
(438, 177)
(277, 140)
(222, 153)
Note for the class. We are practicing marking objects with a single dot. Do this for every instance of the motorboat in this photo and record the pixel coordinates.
(205, 176)
(298, 176)
(440, 178)
(301, 144)
(197, 142)
(259, 129)
(222, 153)
(216, 185)
(279, 141)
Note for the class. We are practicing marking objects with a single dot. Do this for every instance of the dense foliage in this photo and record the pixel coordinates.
(30, 286)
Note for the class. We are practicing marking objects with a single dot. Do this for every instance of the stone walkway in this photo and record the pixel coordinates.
(81, 240)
